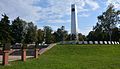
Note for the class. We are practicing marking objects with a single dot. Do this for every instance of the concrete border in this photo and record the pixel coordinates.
(46, 49)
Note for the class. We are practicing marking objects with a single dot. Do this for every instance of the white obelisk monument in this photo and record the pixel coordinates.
(74, 24)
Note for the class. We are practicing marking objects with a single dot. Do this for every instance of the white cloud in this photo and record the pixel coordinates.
(94, 5)
(60, 8)
(58, 21)
(84, 15)
(22, 8)
(116, 3)
(56, 9)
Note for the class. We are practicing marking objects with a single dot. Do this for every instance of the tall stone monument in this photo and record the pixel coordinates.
(74, 24)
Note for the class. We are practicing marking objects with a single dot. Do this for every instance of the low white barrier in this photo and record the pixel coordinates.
(90, 42)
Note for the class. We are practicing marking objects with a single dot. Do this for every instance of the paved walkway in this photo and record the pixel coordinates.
(16, 54)
(13, 58)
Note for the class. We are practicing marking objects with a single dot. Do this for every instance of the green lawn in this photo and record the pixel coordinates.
(73, 57)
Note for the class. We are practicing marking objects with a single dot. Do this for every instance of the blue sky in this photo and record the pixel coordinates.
(56, 13)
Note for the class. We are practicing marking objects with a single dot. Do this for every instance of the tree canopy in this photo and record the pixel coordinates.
(106, 25)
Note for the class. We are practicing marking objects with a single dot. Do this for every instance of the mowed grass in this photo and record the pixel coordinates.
(73, 57)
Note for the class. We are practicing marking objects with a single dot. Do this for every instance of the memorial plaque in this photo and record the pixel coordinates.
(118, 42)
(80, 42)
(105, 42)
(85, 42)
(90, 42)
(96, 42)
(112, 42)
(109, 42)
(101, 42)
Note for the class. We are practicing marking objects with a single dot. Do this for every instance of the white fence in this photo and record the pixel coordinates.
(90, 42)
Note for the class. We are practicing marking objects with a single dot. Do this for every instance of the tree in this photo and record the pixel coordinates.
(107, 21)
(91, 36)
(115, 34)
(18, 30)
(61, 34)
(31, 35)
(81, 37)
(5, 30)
(48, 34)
(64, 33)
(40, 36)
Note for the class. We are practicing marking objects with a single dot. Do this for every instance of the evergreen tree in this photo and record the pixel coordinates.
(61, 34)
(18, 30)
(5, 30)
(40, 36)
(48, 34)
(31, 35)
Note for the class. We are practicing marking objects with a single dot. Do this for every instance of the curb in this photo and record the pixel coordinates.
(46, 49)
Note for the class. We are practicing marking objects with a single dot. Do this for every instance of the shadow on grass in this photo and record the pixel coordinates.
(1, 64)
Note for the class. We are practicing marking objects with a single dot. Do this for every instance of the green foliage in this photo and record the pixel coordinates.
(48, 34)
(23, 32)
(108, 19)
(115, 34)
(104, 29)
(31, 34)
(81, 37)
(6, 46)
(40, 36)
(18, 30)
(61, 34)
(5, 30)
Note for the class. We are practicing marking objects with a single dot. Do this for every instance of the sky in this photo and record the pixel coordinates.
(57, 13)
